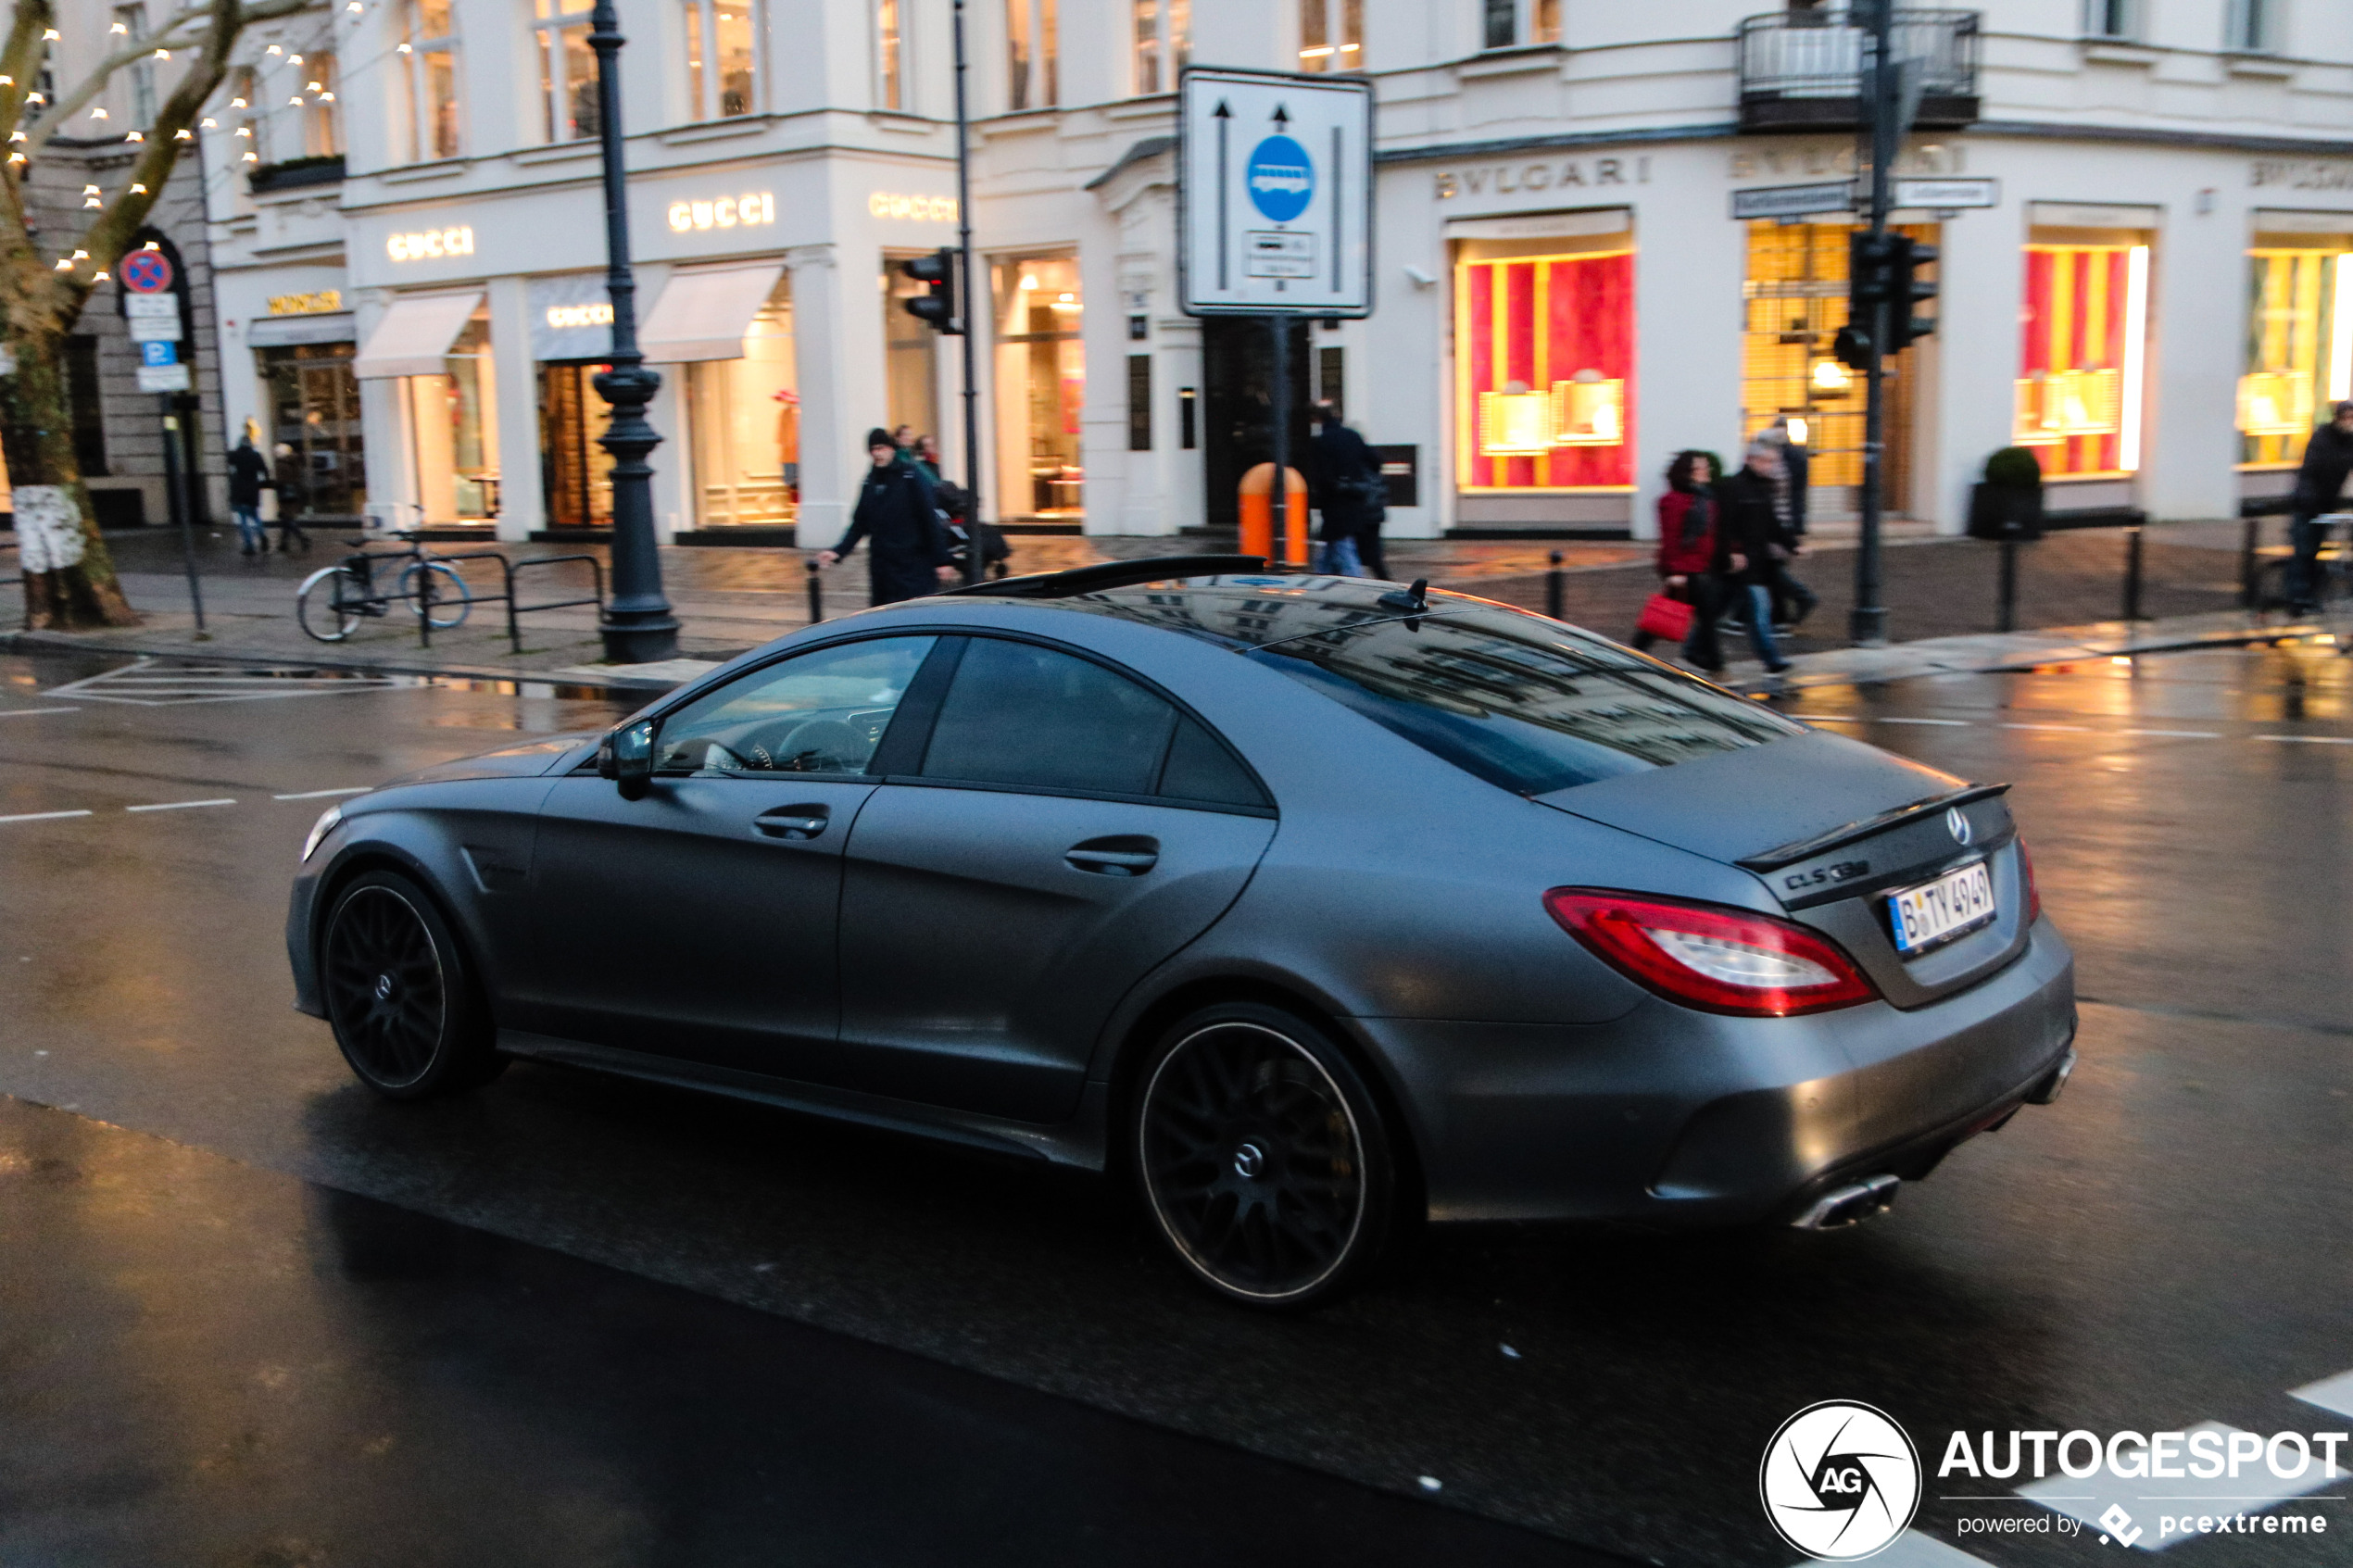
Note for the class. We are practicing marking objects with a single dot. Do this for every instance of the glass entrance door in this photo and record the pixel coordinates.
(575, 473)
(317, 452)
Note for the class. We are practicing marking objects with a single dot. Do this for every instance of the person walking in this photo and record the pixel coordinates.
(294, 499)
(927, 459)
(1795, 465)
(248, 477)
(1352, 499)
(898, 510)
(2328, 457)
(1687, 529)
(1748, 551)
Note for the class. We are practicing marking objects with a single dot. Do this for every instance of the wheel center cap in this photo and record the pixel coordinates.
(1248, 1160)
(383, 987)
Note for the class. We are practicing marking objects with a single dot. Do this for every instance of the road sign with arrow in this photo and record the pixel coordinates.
(1274, 195)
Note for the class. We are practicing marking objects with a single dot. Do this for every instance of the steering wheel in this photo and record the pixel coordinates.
(828, 745)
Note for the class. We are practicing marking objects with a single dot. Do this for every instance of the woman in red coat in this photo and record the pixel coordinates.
(1688, 515)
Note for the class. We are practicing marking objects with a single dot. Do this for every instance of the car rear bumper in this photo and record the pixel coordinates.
(1672, 1117)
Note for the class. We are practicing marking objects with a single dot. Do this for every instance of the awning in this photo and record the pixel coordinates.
(278, 331)
(705, 315)
(414, 337)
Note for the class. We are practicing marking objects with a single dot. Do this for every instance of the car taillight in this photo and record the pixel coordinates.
(2033, 893)
(1712, 957)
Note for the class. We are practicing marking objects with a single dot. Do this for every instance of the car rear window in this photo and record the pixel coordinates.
(1522, 701)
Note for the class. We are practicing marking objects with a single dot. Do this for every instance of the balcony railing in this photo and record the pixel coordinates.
(1802, 70)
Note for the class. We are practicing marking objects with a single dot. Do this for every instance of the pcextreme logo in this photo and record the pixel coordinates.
(1840, 1481)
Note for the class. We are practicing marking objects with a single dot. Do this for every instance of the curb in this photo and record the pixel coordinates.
(17, 642)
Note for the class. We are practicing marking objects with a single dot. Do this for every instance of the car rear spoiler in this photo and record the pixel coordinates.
(1108, 574)
(1805, 849)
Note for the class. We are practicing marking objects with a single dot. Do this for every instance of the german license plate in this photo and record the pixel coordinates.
(1935, 912)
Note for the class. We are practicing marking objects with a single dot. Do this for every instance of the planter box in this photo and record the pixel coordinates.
(1993, 508)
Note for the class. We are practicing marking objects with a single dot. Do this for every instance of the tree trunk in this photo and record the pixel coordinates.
(70, 583)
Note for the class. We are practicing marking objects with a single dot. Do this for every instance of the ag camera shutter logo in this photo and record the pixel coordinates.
(1282, 178)
(1840, 1481)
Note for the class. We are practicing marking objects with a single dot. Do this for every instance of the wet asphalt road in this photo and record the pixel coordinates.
(673, 1329)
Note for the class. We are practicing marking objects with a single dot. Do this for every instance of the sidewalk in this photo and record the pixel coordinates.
(1940, 593)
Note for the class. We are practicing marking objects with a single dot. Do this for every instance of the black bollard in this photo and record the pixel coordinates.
(2007, 614)
(1553, 588)
(2132, 574)
(2247, 564)
(817, 595)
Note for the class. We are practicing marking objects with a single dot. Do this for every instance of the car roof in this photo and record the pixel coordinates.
(1252, 609)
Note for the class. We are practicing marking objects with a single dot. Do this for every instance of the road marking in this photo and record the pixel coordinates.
(2177, 734)
(2058, 1495)
(1827, 717)
(2070, 729)
(2334, 1395)
(145, 684)
(1942, 723)
(42, 816)
(324, 793)
(179, 805)
(34, 712)
(2311, 740)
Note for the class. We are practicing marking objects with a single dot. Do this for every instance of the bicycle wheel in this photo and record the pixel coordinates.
(325, 606)
(452, 600)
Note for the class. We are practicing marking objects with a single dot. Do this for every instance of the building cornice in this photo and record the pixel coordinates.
(2024, 130)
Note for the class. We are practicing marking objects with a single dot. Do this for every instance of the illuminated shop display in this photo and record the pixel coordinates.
(1545, 360)
(2299, 342)
(2080, 363)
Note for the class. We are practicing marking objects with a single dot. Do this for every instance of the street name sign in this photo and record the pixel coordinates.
(1274, 189)
(1942, 193)
(1794, 201)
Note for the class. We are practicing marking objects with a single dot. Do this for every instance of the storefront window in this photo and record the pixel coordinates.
(575, 471)
(2299, 342)
(315, 449)
(1544, 363)
(913, 381)
(1041, 385)
(456, 423)
(1795, 302)
(567, 71)
(745, 416)
(2080, 368)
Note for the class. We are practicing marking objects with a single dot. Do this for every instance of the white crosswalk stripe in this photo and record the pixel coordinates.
(150, 683)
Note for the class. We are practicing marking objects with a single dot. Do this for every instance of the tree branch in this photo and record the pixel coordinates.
(183, 32)
(20, 60)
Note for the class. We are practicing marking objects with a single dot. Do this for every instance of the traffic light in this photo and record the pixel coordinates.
(1852, 347)
(1909, 290)
(937, 306)
(1871, 272)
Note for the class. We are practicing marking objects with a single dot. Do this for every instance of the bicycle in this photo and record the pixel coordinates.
(2333, 573)
(333, 600)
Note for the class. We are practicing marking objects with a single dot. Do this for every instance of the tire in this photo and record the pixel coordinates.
(403, 998)
(315, 604)
(448, 589)
(1263, 1158)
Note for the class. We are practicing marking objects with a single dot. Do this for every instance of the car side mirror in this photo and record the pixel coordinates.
(627, 756)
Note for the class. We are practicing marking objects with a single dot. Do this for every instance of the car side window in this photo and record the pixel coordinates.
(818, 712)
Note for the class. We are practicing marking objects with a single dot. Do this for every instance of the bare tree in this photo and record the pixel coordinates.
(69, 579)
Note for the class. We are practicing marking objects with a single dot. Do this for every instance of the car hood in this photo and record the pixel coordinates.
(1732, 805)
(525, 759)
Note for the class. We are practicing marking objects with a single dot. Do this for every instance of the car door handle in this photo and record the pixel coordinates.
(1122, 856)
(792, 821)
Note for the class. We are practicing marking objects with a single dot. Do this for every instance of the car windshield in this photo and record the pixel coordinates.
(1522, 701)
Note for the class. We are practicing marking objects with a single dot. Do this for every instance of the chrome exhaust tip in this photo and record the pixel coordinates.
(1850, 1205)
(2048, 1090)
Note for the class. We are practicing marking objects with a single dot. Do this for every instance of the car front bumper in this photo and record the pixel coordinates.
(1672, 1117)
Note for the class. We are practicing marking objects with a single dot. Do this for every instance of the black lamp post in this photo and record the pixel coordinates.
(637, 626)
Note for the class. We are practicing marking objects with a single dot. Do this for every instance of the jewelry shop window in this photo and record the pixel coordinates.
(1544, 363)
(2081, 364)
(2299, 338)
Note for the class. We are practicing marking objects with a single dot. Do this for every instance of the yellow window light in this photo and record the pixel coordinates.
(1589, 410)
(1514, 422)
(2275, 403)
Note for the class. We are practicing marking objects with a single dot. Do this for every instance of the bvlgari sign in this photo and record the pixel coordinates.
(1542, 175)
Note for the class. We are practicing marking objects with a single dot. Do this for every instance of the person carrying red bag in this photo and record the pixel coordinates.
(1688, 515)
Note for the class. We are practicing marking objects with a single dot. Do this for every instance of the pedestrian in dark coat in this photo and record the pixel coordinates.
(248, 476)
(1752, 543)
(1352, 493)
(294, 499)
(1687, 553)
(2328, 457)
(898, 511)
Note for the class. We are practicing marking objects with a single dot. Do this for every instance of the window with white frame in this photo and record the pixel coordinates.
(1508, 23)
(245, 91)
(1163, 42)
(1331, 35)
(322, 113)
(131, 24)
(2111, 19)
(566, 69)
(891, 55)
(1031, 68)
(429, 57)
(722, 58)
(2253, 26)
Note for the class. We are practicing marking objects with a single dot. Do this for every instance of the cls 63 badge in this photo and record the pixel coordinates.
(1824, 876)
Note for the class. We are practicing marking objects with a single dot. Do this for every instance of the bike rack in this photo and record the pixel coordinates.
(507, 570)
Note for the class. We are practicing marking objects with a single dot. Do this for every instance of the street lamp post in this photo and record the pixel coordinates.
(637, 626)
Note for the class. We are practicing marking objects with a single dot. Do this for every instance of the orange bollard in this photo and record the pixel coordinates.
(1258, 515)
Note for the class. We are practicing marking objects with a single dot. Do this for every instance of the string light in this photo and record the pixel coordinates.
(273, 49)
(97, 277)
(135, 135)
(137, 189)
(119, 27)
(163, 54)
(183, 135)
(209, 123)
(97, 112)
(50, 36)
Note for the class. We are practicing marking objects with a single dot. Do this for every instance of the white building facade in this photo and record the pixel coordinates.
(2158, 303)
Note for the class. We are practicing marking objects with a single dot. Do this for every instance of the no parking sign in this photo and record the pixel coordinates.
(147, 272)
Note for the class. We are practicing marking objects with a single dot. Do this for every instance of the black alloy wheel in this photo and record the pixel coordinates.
(1264, 1157)
(400, 995)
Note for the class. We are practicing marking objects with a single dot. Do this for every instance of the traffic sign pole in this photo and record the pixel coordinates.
(179, 504)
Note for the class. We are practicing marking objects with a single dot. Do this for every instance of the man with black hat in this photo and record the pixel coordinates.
(2328, 457)
(898, 512)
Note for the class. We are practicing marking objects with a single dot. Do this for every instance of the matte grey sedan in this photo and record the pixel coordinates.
(1321, 906)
